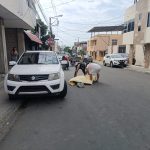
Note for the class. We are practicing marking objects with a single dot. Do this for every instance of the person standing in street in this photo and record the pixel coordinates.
(93, 69)
(14, 54)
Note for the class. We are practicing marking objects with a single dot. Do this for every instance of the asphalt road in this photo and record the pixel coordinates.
(113, 114)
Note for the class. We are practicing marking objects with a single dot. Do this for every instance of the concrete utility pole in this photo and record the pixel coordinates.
(50, 27)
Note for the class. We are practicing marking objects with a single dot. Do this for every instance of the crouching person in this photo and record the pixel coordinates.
(79, 66)
(93, 69)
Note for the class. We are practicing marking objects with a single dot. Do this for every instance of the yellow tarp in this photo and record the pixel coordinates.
(82, 79)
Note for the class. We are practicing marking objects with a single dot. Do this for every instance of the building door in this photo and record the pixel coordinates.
(122, 49)
(11, 40)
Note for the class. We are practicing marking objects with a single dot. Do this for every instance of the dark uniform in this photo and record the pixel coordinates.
(82, 66)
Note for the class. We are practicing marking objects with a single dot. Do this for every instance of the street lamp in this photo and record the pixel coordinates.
(50, 22)
(50, 26)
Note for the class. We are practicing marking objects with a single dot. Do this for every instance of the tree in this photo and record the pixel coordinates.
(44, 28)
(45, 35)
(67, 49)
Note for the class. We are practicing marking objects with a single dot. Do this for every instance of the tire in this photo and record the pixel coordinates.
(11, 97)
(111, 64)
(63, 93)
(104, 63)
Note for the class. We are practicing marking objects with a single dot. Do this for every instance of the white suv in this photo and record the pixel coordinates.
(36, 72)
(114, 60)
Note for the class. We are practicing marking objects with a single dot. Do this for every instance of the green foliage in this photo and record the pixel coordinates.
(44, 27)
(44, 39)
(68, 49)
(45, 35)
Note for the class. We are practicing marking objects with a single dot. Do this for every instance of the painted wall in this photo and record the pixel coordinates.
(139, 55)
(113, 49)
(128, 38)
(20, 9)
(130, 13)
(147, 35)
(102, 42)
(127, 49)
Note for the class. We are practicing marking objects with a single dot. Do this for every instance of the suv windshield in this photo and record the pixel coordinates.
(38, 58)
(116, 56)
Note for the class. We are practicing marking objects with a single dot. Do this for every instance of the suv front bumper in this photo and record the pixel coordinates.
(31, 88)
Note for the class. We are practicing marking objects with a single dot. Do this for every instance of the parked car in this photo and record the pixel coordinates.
(114, 60)
(126, 56)
(36, 72)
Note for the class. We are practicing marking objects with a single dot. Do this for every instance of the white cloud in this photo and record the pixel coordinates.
(81, 15)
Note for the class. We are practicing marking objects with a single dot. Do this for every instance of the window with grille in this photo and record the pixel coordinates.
(114, 42)
(148, 20)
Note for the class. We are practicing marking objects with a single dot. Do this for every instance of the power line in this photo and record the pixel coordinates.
(54, 8)
(41, 9)
(105, 21)
(61, 4)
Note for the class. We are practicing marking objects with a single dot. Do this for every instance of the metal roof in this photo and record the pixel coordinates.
(33, 37)
(107, 28)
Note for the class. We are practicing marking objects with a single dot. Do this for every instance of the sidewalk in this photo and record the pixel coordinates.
(7, 110)
(138, 69)
(1, 80)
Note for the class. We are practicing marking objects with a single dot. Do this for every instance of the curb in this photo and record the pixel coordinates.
(141, 71)
(1, 84)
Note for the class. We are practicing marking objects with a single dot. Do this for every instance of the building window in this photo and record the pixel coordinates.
(139, 28)
(139, 22)
(131, 26)
(122, 49)
(114, 42)
(148, 20)
(140, 16)
(125, 28)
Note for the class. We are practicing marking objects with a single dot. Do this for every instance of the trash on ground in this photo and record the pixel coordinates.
(80, 85)
(81, 79)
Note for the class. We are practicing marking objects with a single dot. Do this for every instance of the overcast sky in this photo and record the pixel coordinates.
(79, 16)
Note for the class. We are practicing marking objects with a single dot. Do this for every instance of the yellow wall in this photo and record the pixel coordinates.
(100, 43)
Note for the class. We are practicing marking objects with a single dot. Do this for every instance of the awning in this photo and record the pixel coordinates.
(33, 37)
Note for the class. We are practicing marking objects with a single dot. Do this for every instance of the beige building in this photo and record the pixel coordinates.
(136, 35)
(15, 16)
(108, 40)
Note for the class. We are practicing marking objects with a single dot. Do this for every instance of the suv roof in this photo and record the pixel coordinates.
(37, 51)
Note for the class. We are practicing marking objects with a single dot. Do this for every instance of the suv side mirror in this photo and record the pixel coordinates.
(12, 63)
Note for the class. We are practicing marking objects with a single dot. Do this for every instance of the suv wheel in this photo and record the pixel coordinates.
(104, 63)
(111, 64)
(63, 93)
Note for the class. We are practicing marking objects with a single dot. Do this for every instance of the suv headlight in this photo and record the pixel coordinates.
(54, 76)
(13, 77)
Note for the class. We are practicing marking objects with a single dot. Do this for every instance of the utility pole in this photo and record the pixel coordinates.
(135, 1)
(50, 28)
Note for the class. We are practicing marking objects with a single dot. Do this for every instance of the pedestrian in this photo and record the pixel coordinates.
(93, 69)
(78, 66)
(133, 61)
(14, 54)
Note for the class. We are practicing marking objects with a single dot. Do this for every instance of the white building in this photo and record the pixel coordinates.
(136, 35)
(15, 16)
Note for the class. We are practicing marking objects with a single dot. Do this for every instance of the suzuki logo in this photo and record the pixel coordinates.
(33, 78)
